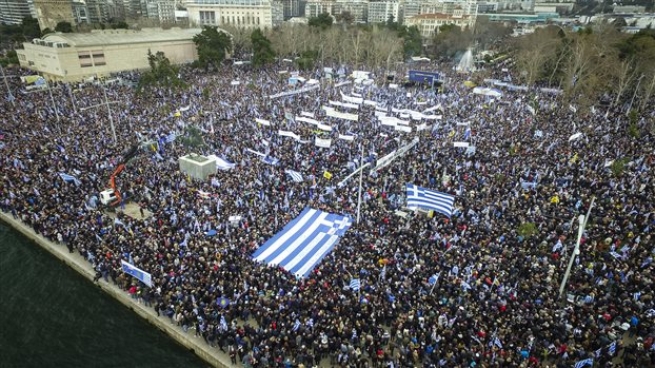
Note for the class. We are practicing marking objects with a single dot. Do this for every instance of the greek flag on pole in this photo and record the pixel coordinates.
(223, 324)
(433, 279)
(70, 178)
(295, 176)
(429, 199)
(223, 164)
(296, 326)
(355, 285)
(303, 242)
(612, 348)
(137, 273)
(582, 363)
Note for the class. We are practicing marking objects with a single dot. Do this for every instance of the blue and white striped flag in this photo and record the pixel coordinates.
(430, 199)
(303, 242)
(170, 138)
(582, 363)
(636, 296)
(69, 178)
(271, 160)
(224, 324)
(433, 279)
(310, 323)
(467, 133)
(612, 348)
(355, 285)
(295, 176)
(296, 326)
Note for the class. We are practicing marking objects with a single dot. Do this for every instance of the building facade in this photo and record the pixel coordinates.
(380, 11)
(51, 12)
(74, 56)
(428, 24)
(357, 8)
(237, 13)
(313, 8)
(13, 11)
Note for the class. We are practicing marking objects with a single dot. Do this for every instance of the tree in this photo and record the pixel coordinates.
(241, 42)
(161, 74)
(451, 40)
(322, 21)
(263, 52)
(344, 17)
(31, 28)
(192, 138)
(213, 46)
(412, 41)
(120, 25)
(64, 27)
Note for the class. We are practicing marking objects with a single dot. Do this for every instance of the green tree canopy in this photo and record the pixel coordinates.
(413, 42)
(64, 27)
(213, 46)
(263, 52)
(161, 74)
(322, 21)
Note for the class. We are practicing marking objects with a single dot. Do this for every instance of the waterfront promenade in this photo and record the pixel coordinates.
(74, 260)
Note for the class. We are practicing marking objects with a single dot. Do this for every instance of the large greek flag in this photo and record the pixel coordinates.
(303, 242)
(429, 200)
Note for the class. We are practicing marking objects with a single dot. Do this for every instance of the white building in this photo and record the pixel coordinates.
(238, 13)
(428, 24)
(164, 11)
(313, 8)
(357, 8)
(380, 11)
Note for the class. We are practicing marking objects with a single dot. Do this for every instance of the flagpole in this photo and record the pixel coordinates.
(361, 176)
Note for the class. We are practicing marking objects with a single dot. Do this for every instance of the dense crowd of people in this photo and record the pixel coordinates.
(500, 258)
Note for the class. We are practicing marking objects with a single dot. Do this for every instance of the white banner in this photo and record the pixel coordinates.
(307, 114)
(380, 114)
(341, 84)
(285, 133)
(324, 143)
(345, 105)
(461, 144)
(347, 137)
(296, 91)
(137, 273)
(307, 120)
(349, 99)
(341, 115)
(422, 127)
(263, 122)
(401, 128)
(324, 127)
(370, 103)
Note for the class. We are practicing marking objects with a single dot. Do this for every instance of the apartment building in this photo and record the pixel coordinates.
(238, 13)
(380, 11)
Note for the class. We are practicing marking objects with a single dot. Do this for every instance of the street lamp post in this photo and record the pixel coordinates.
(582, 221)
(106, 103)
(361, 176)
(4, 77)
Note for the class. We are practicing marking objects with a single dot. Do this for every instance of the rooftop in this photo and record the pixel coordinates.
(122, 36)
(438, 16)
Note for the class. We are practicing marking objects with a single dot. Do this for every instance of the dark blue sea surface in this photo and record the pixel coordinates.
(50, 316)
